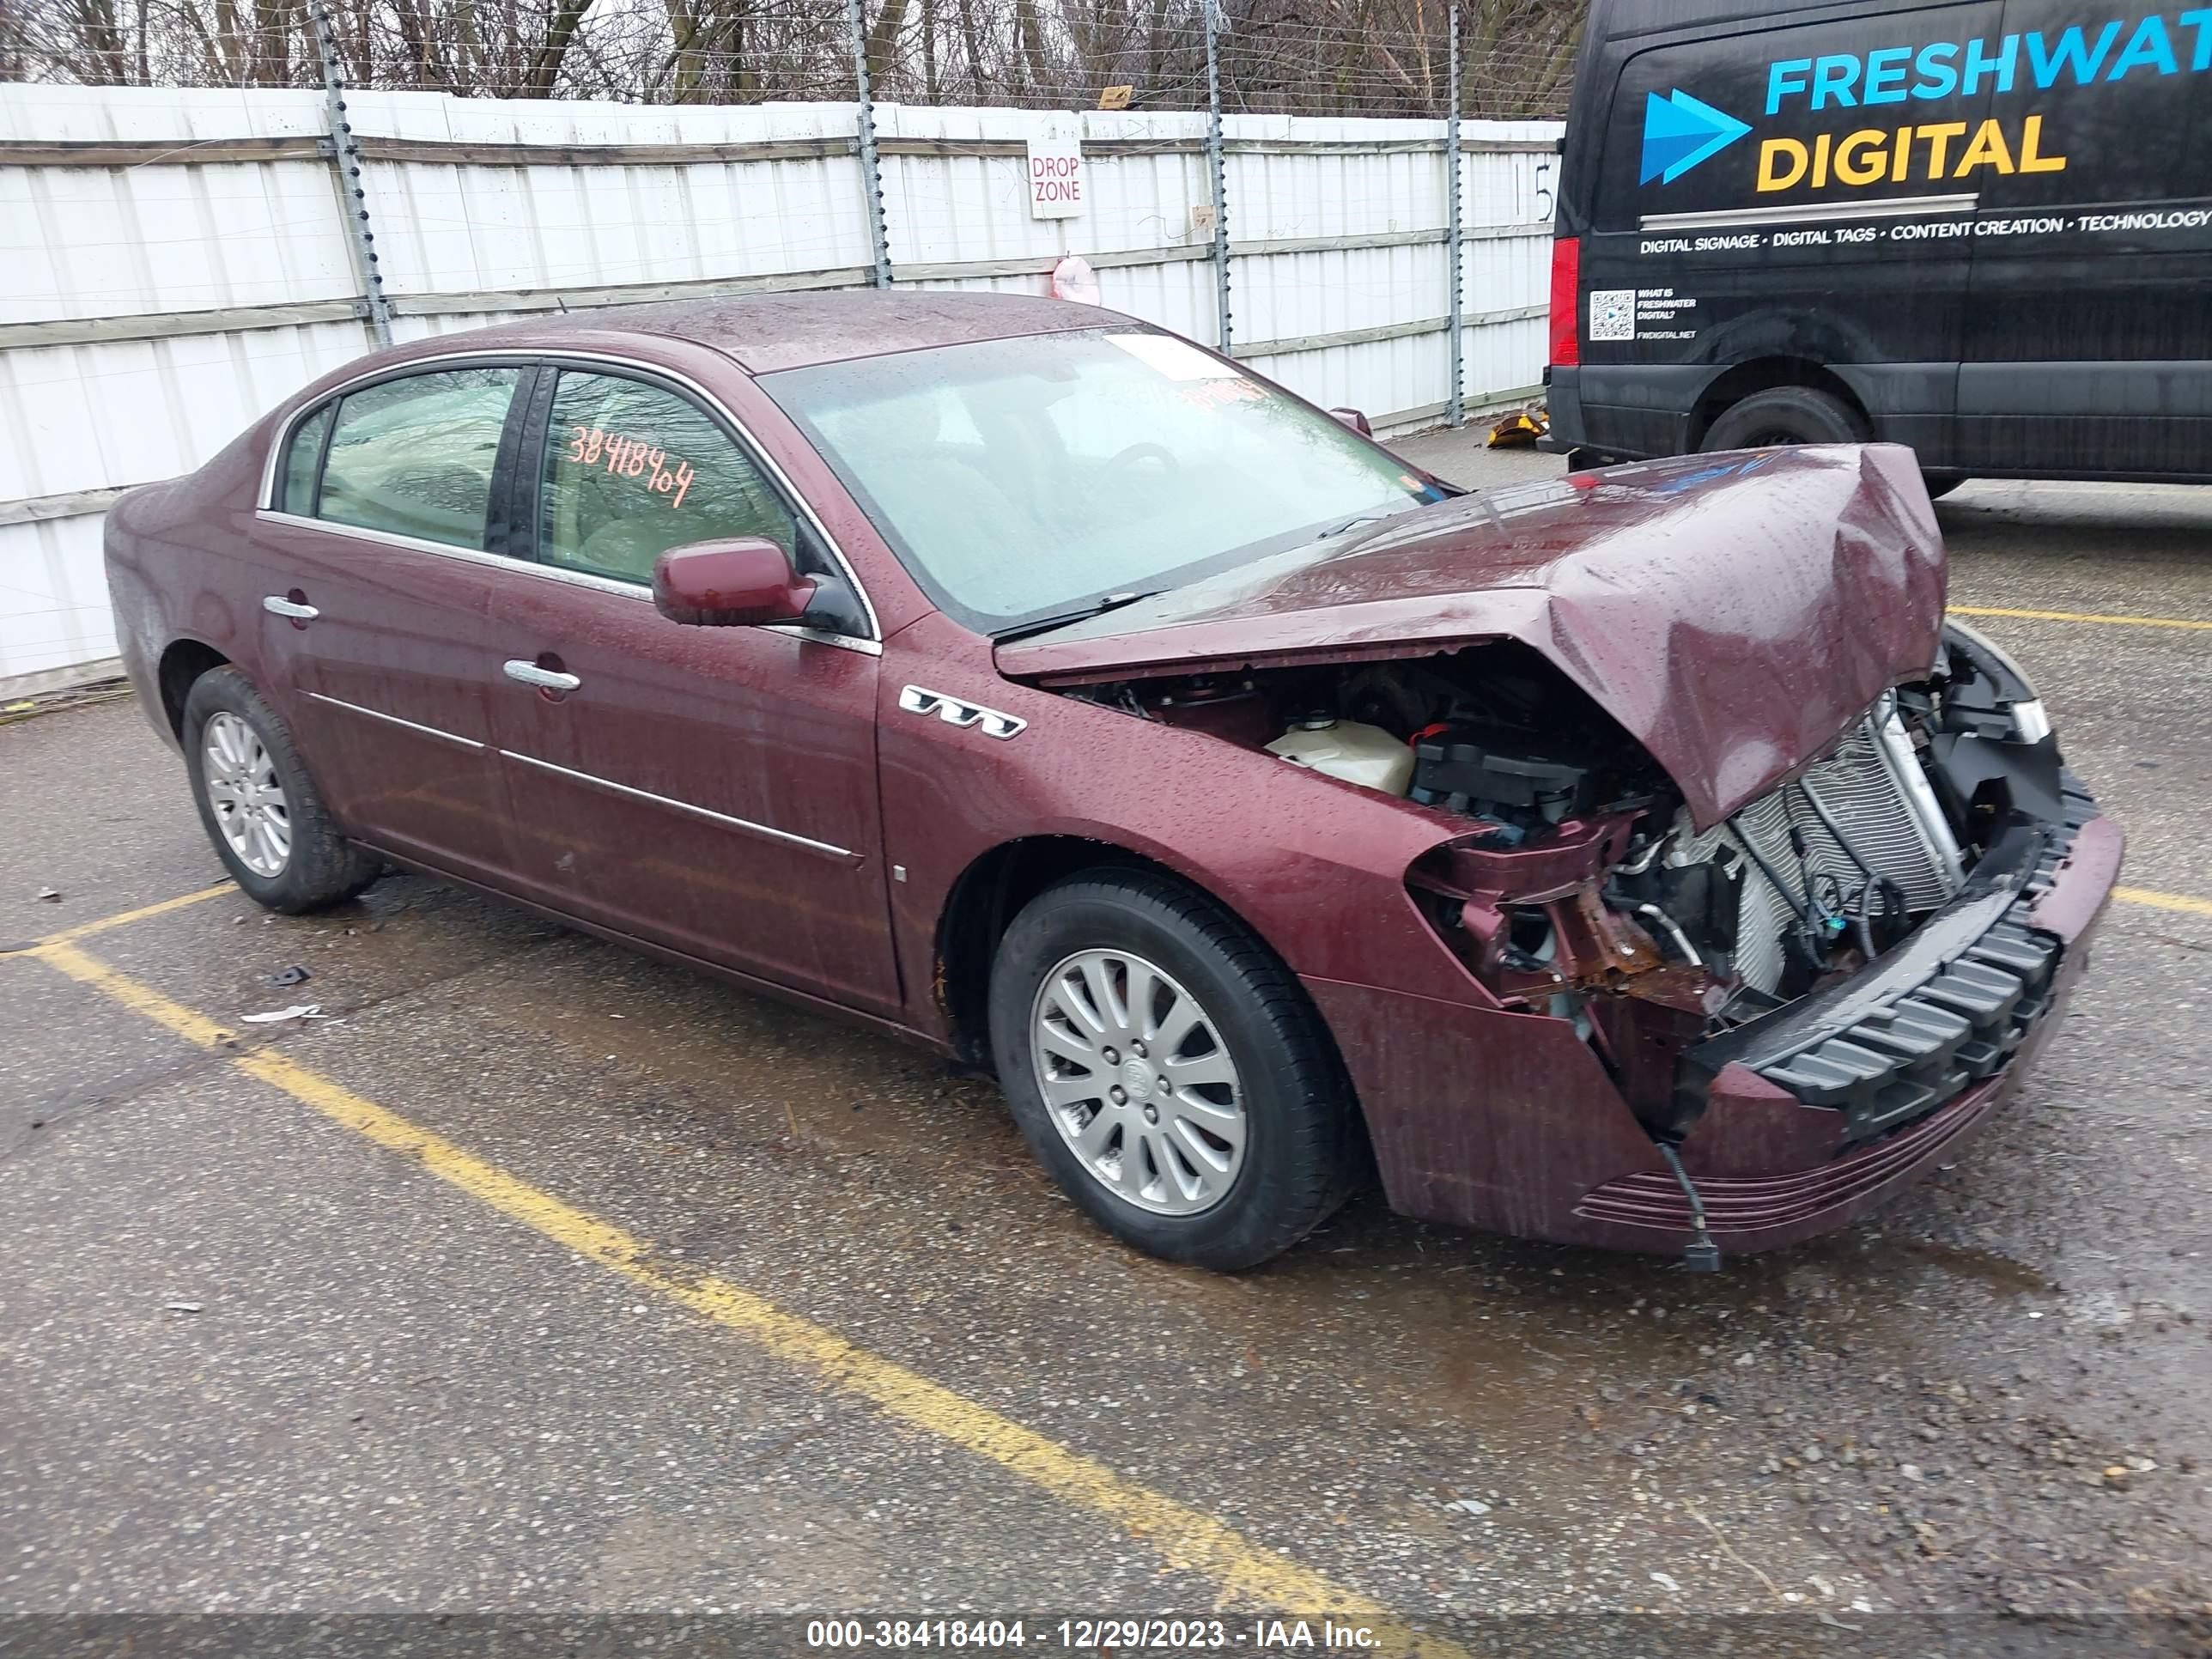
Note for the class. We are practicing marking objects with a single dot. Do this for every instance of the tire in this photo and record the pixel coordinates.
(317, 867)
(1941, 484)
(1785, 415)
(1299, 1145)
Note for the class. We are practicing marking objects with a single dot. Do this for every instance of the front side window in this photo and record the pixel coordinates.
(1020, 478)
(414, 456)
(633, 469)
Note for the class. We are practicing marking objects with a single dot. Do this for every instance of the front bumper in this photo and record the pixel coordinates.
(1848, 1097)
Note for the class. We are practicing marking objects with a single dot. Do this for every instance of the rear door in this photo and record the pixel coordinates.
(2089, 342)
(376, 636)
(710, 789)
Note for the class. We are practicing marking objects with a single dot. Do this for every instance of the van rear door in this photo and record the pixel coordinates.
(2089, 345)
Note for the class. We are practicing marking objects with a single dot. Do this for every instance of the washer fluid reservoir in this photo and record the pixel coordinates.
(1364, 755)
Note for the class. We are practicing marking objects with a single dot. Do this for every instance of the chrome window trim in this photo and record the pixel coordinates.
(550, 572)
(746, 825)
(394, 720)
(265, 502)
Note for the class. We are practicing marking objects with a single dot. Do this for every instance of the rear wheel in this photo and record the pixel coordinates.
(261, 809)
(1169, 1072)
(1941, 484)
(1785, 415)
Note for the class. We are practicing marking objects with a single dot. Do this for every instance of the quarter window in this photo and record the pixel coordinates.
(301, 461)
(414, 456)
(632, 470)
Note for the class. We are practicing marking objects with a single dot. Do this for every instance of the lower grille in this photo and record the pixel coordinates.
(1741, 1205)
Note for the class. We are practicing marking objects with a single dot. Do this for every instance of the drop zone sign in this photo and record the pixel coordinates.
(1057, 182)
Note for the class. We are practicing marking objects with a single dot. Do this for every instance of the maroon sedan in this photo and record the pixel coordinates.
(1636, 859)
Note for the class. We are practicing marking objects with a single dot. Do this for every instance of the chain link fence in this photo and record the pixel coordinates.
(1340, 58)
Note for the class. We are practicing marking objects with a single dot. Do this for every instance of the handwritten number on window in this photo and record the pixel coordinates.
(631, 457)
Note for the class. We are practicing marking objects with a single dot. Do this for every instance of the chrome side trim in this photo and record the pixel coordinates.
(746, 825)
(547, 573)
(1897, 207)
(394, 720)
(282, 439)
(955, 711)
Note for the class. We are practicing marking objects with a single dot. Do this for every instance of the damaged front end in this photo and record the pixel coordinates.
(1861, 939)
(1748, 842)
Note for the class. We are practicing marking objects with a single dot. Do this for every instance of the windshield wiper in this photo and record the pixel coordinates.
(1081, 613)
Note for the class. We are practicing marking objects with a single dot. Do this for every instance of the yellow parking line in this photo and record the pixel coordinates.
(2196, 906)
(85, 929)
(1247, 1575)
(2077, 616)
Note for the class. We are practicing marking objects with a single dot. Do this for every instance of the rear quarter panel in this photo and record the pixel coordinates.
(182, 564)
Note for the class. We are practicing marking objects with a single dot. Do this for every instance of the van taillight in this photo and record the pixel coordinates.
(1566, 301)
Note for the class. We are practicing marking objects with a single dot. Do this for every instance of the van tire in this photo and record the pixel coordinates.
(1785, 415)
(1941, 484)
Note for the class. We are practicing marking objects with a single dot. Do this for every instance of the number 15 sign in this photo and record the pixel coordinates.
(1058, 184)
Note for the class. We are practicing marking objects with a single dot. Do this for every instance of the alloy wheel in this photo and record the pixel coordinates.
(249, 804)
(1139, 1083)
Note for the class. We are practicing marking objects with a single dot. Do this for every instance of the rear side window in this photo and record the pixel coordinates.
(632, 470)
(414, 456)
(300, 459)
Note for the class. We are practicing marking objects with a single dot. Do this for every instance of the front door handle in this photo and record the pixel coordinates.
(545, 679)
(278, 605)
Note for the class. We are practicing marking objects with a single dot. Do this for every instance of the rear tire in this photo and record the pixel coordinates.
(1220, 1196)
(1785, 415)
(260, 808)
(1941, 484)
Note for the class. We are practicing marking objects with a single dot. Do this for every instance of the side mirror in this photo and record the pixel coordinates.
(1357, 421)
(739, 583)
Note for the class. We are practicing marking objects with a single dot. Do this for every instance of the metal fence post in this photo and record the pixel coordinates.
(1217, 175)
(871, 173)
(353, 197)
(1456, 413)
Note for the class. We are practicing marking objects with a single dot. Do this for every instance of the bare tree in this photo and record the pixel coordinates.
(1317, 56)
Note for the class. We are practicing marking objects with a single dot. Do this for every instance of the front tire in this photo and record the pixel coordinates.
(260, 808)
(1785, 415)
(1169, 1072)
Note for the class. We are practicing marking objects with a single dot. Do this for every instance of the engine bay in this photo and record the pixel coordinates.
(1583, 887)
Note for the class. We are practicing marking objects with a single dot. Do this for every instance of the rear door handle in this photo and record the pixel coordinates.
(545, 679)
(278, 605)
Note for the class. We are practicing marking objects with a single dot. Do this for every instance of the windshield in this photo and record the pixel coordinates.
(1019, 479)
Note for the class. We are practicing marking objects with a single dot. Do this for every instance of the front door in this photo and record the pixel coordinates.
(710, 789)
(378, 647)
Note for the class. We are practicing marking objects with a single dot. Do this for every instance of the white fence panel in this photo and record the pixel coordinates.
(161, 290)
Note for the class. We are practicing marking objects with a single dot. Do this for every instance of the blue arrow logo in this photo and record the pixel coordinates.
(1680, 131)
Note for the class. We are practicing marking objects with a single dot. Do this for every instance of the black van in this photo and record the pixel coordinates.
(1981, 229)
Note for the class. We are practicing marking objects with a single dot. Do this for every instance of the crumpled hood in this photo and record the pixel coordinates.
(1734, 613)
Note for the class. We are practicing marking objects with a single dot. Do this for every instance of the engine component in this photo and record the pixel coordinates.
(1755, 860)
(1462, 769)
(1364, 755)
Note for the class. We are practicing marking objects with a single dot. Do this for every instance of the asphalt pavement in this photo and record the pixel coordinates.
(538, 1279)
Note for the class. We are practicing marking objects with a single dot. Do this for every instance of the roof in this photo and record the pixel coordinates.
(765, 332)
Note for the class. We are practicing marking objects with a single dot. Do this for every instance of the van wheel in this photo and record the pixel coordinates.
(1941, 484)
(260, 808)
(1169, 1072)
(1785, 415)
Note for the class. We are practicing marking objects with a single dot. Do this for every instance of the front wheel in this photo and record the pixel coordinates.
(1785, 415)
(1169, 1072)
(260, 808)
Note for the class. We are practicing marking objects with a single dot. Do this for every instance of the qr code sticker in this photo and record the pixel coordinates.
(1612, 314)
